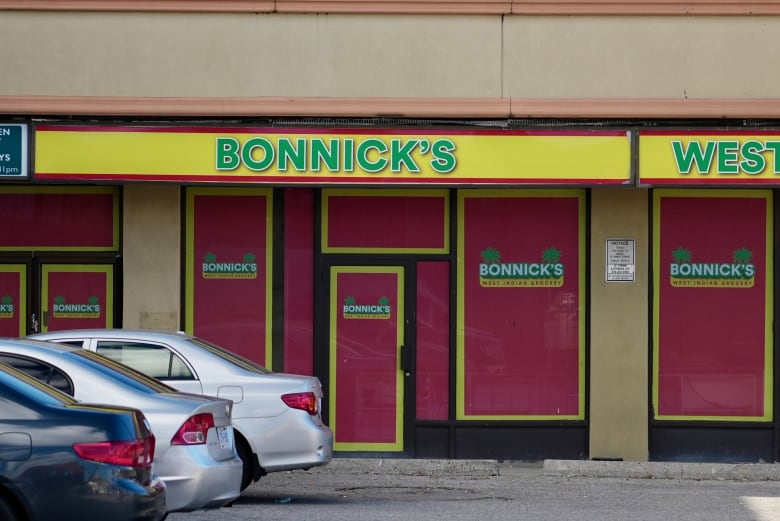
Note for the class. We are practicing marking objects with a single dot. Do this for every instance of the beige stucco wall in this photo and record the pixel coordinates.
(444, 56)
(619, 330)
(151, 261)
(102, 54)
(673, 57)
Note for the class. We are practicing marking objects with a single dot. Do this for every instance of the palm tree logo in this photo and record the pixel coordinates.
(210, 258)
(384, 301)
(491, 256)
(249, 258)
(742, 256)
(551, 255)
(681, 255)
(349, 301)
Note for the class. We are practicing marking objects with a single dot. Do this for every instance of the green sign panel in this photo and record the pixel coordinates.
(13, 150)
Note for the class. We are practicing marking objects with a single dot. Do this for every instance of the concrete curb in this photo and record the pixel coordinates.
(664, 470)
(552, 467)
(411, 467)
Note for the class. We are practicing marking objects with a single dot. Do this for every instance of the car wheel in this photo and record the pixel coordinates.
(246, 458)
(7, 511)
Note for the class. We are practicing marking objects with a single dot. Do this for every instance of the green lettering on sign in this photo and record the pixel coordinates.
(399, 155)
(693, 154)
(728, 157)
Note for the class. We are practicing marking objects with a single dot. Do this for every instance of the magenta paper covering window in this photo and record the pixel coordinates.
(712, 351)
(371, 221)
(77, 296)
(299, 281)
(228, 270)
(433, 340)
(520, 349)
(61, 221)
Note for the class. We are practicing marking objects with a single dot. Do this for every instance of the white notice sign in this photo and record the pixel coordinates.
(620, 260)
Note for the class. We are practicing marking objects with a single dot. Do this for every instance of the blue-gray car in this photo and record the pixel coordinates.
(195, 449)
(63, 459)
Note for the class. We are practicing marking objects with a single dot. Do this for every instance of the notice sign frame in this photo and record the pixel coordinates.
(14, 151)
(621, 260)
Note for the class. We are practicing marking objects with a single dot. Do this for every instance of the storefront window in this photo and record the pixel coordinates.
(712, 307)
(228, 269)
(385, 221)
(520, 288)
(54, 218)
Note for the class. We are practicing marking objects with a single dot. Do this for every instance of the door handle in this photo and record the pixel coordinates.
(405, 359)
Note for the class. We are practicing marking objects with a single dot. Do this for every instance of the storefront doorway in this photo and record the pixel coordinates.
(370, 357)
(50, 295)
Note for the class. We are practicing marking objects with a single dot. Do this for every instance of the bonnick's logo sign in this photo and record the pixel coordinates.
(739, 273)
(371, 155)
(495, 273)
(90, 309)
(247, 269)
(7, 307)
(380, 310)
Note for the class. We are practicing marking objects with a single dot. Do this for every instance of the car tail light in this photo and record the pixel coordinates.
(132, 453)
(304, 401)
(194, 430)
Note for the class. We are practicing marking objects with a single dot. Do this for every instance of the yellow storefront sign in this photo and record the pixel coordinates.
(712, 158)
(332, 156)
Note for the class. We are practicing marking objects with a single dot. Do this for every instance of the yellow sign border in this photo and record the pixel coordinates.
(410, 156)
(658, 166)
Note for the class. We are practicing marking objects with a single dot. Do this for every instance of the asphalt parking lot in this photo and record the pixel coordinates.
(403, 490)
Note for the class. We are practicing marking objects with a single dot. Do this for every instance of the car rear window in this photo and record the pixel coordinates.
(228, 356)
(37, 390)
(123, 373)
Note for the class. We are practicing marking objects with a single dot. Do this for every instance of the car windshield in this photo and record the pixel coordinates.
(228, 356)
(126, 375)
(34, 388)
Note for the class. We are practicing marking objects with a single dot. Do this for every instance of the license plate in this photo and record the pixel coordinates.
(225, 439)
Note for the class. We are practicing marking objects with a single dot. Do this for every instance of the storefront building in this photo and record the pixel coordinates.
(578, 272)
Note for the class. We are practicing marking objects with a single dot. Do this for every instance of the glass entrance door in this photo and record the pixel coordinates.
(76, 296)
(48, 296)
(368, 362)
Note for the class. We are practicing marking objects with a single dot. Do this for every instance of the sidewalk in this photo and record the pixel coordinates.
(665, 470)
(551, 467)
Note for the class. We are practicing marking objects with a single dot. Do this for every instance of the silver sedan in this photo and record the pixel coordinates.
(276, 416)
(195, 452)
